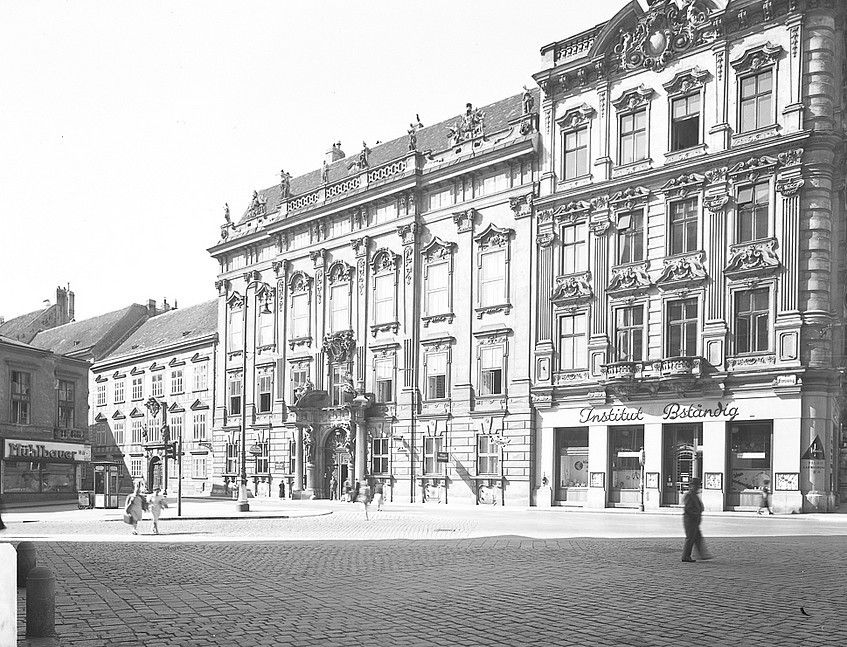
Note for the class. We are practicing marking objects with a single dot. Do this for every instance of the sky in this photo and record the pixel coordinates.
(126, 126)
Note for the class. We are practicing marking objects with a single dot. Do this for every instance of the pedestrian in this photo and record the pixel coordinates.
(333, 488)
(766, 497)
(134, 508)
(378, 495)
(282, 489)
(348, 491)
(691, 518)
(363, 494)
(2, 525)
(157, 502)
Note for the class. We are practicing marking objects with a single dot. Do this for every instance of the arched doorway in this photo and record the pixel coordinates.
(337, 463)
(154, 474)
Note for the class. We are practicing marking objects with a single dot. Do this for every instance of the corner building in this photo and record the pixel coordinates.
(373, 316)
(690, 265)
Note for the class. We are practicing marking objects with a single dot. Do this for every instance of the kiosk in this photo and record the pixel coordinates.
(106, 482)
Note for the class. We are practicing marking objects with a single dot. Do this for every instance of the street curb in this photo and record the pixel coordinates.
(228, 517)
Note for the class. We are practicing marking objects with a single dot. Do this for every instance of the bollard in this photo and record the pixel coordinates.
(40, 603)
(26, 561)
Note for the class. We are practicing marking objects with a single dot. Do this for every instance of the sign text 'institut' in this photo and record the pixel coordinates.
(586, 294)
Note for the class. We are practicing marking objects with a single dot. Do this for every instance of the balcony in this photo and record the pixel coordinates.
(622, 371)
(646, 379)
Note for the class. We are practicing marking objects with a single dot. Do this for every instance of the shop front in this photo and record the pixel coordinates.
(35, 470)
(634, 454)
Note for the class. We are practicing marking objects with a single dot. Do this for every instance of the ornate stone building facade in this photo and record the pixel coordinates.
(587, 296)
(690, 228)
(372, 317)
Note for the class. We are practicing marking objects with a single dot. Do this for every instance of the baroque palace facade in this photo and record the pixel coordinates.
(587, 296)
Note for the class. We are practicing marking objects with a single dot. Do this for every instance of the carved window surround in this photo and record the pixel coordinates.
(447, 317)
(629, 280)
(387, 327)
(753, 169)
(754, 61)
(687, 83)
(568, 377)
(632, 197)
(684, 186)
(572, 120)
(682, 271)
(750, 362)
(634, 167)
(748, 137)
(385, 263)
(300, 341)
(672, 157)
(572, 289)
(493, 239)
(752, 259)
(436, 252)
(630, 102)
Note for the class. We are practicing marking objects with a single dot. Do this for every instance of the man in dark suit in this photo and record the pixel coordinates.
(691, 518)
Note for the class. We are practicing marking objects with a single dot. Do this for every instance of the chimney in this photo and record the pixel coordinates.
(165, 306)
(71, 310)
(62, 302)
(175, 306)
(151, 307)
(2, 320)
(334, 154)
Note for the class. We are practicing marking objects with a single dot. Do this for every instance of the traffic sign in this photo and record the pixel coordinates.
(442, 457)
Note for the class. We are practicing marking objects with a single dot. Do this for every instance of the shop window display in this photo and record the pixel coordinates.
(38, 478)
(572, 464)
(625, 478)
(749, 462)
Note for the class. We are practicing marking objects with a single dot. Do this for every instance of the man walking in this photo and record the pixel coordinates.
(691, 518)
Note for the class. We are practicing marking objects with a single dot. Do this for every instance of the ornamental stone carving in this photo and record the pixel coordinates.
(572, 288)
(235, 301)
(339, 272)
(493, 236)
(384, 260)
(469, 126)
(716, 202)
(340, 347)
(757, 58)
(686, 81)
(360, 245)
(752, 258)
(222, 286)
(521, 205)
(258, 205)
(407, 233)
(754, 168)
(663, 33)
(299, 282)
(464, 220)
(279, 267)
(634, 98)
(684, 184)
(630, 197)
(790, 157)
(716, 175)
(437, 249)
(789, 186)
(629, 279)
(576, 117)
(683, 270)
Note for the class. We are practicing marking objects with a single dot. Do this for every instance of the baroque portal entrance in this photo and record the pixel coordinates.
(339, 449)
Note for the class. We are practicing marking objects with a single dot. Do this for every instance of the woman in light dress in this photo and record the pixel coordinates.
(134, 508)
(157, 502)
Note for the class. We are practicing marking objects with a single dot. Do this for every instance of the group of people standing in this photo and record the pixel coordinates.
(366, 492)
(138, 503)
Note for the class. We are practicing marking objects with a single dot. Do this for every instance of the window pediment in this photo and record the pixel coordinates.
(118, 375)
(384, 260)
(101, 378)
(339, 272)
(754, 168)
(629, 280)
(684, 270)
(176, 362)
(683, 185)
(437, 249)
(265, 291)
(493, 236)
(687, 81)
(235, 300)
(100, 418)
(576, 117)
(757, 58)
(629, 198)
(118, 416)
(136, 413)
(176, 408)
(634, 99)
(299, 282)
(197, 357)
(136, 371)
(197, 405)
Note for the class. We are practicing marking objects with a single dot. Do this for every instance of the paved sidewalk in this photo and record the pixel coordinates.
(497, 591)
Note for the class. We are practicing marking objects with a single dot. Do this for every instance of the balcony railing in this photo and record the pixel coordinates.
(669, 367)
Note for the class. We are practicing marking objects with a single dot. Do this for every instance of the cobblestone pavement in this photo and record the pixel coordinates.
(499, 590)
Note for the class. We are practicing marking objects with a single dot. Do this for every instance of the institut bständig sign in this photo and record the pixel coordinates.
(671, 411)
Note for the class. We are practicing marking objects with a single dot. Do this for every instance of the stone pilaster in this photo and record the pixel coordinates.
(462, 367)
(719, 134)
(598, 342)
(715, 330)
(298, 463)
(361, 248)
(544, 348)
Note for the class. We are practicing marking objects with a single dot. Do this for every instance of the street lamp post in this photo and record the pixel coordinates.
(242, 505)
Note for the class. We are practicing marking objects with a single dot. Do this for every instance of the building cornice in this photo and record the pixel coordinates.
(155, 353)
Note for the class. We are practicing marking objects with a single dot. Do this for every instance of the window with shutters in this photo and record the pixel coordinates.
(263, 458)
(118, 432)
(491, 369)
(136, 466)
(137, 431)
(265, 388)
(379, 456)
(232, 457)
(432, 445)
(176, 381)
(488, 455)
(436, 376)
(234, 389)
(384, 379)
(119, 391)
(154, 430)
(101, 394)
(137, 388)
(175, 421)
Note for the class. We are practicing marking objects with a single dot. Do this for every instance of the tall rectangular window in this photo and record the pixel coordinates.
(437, 288)
(137, 388)
(633, 136)
(232, 457)
(339, 385)
(436, 376)
(137, 431)
(432, 445)
(576, 153)
(573, 348)
(199, 425)
(176, 381)
(683, 226)
(236, 331)
(384, 298)
(488, 456)
(235, 391)
(685, 122)
(492, 278)
(67, 408)
(682, 328)
(136, 466)
(101, 394)
(118, 432)
(631, 237)
(199, 468)
(21, 412)
(752, 320)
(265, 389)
(263, 458)
(292, 456)
(339, 304)
(266, 327)
(157, 384)
(574, 243)
(119, 391)
(175, 422)
(755, 101)
(201, 376)
(379, 456)
(300, 315)
(752, 220)
(384, 379)
(299, 375)
(629, 334)
(491, 362)
(154, 430)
